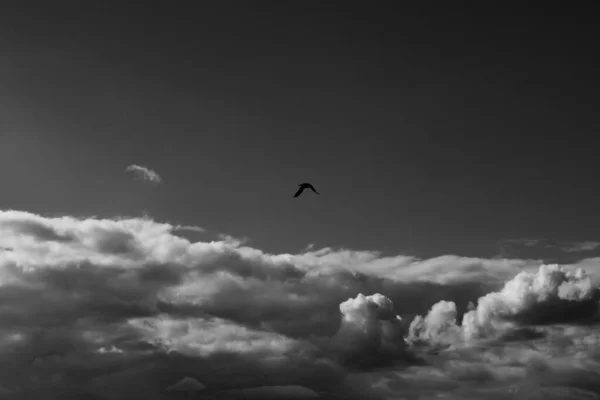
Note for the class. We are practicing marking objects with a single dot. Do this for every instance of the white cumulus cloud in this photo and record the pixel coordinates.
(144, 173)
(552, 294)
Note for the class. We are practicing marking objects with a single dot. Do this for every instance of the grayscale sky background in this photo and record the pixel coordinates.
(428, 130)
(149, 238)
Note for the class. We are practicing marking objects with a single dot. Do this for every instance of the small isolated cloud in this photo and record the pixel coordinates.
(110, 350)
(144, 173)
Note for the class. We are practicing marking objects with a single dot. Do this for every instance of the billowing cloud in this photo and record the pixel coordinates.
(552, 295)
(126, 308)
(437, 327)
(371, 332)
(144, 173)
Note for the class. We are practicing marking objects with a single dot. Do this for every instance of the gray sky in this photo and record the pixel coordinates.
(446, 135)
(426, 133)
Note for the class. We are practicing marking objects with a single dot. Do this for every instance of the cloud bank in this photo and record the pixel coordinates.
(548, 249)
(127, 309)
(144, 174)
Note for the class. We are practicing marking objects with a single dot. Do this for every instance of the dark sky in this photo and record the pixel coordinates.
(428, 130)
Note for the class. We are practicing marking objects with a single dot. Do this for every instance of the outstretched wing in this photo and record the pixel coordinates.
(299, 191)
(313, 189)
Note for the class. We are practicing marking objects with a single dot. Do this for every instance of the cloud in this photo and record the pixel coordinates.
(528, 242)
(545, 248)
(408, 268)
(124, 307)
(552, 295)
(437, 327)
(190, 228)
(187, 384)
(580, 246)
(144, 173)
(232, 240)
(111, 349)
(371, 332)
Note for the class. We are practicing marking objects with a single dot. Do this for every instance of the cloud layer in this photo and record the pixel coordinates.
(144, 173)
(547, 249)
(127, 309)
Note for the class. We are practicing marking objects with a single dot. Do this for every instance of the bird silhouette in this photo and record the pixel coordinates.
(305, 186)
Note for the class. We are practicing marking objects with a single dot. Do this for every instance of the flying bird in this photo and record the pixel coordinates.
(305, 186)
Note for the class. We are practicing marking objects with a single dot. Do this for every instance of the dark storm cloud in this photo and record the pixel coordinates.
(126, 308)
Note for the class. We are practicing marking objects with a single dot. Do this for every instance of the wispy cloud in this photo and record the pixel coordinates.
(144, 173)
(574, 247)
(515, 247)
(527, 242)
(189, 228)
(232, 239)
(134, 308)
